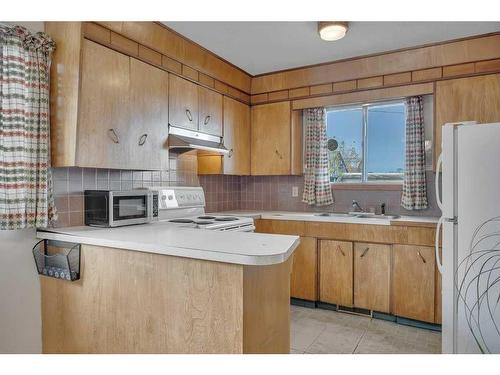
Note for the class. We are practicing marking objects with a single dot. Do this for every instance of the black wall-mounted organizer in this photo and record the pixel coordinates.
(58, 259)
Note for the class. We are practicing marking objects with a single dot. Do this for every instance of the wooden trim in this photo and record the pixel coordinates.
(365, 96)
(413, 224)
(457, 51)
(368, 187)
(166, 41)
(202, 48)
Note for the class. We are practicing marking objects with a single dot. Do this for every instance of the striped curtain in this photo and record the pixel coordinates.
(25, 179)
(317, 190)
(414, 195)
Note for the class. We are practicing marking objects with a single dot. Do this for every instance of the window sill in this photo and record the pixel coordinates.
(368, 186)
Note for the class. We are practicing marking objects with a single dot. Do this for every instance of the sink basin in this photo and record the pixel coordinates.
(332, 214)
(368, 215)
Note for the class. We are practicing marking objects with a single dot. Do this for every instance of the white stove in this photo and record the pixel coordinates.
(184, 206)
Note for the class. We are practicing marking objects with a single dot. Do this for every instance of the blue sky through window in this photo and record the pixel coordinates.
(385, 141)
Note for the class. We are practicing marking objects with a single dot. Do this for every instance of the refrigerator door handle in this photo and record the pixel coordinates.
(439, 263)
(439, 167)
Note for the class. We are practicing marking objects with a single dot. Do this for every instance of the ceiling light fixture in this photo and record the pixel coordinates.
(332, 30)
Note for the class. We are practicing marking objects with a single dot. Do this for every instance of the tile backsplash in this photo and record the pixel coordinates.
(275, 193)
(222, 193)
(69, 184)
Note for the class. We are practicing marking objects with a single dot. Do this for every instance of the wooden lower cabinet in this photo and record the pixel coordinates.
(414, 282)
(336, 272)
(304, 279)
(372, 280)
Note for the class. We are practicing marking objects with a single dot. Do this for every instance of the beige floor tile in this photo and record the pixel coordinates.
(338, 339)
(323, 331)
(303, 333)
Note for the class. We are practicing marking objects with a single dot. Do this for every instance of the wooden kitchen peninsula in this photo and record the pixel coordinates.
(156, 300)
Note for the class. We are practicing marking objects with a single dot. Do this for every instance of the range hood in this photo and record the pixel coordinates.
(183, 140)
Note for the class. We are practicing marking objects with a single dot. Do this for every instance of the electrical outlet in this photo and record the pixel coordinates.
(295, 191)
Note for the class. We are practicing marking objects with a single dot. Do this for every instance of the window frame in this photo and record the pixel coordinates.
(364, 144)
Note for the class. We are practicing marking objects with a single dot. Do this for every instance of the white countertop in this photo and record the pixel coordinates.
(167, 239)
(312, 216)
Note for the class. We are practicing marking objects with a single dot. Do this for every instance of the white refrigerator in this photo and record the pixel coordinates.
(470, 223)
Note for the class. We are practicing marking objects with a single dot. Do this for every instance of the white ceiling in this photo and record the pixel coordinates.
(262, 47)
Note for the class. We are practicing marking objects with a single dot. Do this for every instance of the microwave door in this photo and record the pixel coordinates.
(129, 209)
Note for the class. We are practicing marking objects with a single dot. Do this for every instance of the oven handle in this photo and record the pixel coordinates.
(249, 228)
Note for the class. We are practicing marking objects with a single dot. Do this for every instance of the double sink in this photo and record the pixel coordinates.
(360, 215)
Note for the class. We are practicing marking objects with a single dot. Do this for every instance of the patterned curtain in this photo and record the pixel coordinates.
(414, 195)
(25, 177)
(317, 190)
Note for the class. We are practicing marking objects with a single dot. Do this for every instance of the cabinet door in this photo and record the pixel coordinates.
(149, 117)
(372, 270)
(304, 279)
(103, 110)
(336, 273)
(270, 154)
(183, 103)
(413, 282)
(236, 137)
(466, 99)
(210, 111)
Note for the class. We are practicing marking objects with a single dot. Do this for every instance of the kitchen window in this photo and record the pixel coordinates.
(367, 143)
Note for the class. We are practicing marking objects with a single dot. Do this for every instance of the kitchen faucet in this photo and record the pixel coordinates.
(356, 206)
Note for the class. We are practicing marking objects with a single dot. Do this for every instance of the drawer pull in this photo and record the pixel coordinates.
(142, 139)
(114, 137)
(421, 256)
(230, 153)
(341, 251)
(189, 115)
(364, 252)
(207, 120)
(279, 154)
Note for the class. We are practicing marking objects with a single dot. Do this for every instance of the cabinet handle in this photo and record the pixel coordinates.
(278, 153)
(230, 153)
(341, 251)
(114, 137)
(142, 139)
(364, 252)
(189, 115)
(207, 120)
(421, 256)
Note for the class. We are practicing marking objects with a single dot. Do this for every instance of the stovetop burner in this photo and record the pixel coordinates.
(184, 221)
(228, 218)
(206, 217)
(203, 222)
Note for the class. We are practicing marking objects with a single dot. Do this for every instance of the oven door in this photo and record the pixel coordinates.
(130, 207)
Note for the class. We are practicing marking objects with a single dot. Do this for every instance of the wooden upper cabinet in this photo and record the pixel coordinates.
(210, 111)
(304, 278)
(183, 103)
(148, 130)
(466, 99)
(236, 137)
(271, 139)
(336, 272)
(372, 270)
(104, 108)
(413, 282)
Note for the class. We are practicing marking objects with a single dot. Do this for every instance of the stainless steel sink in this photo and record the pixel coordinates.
(367, 215)
(333, 214)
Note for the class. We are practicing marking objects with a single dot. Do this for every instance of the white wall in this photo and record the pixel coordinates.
(20, 315)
